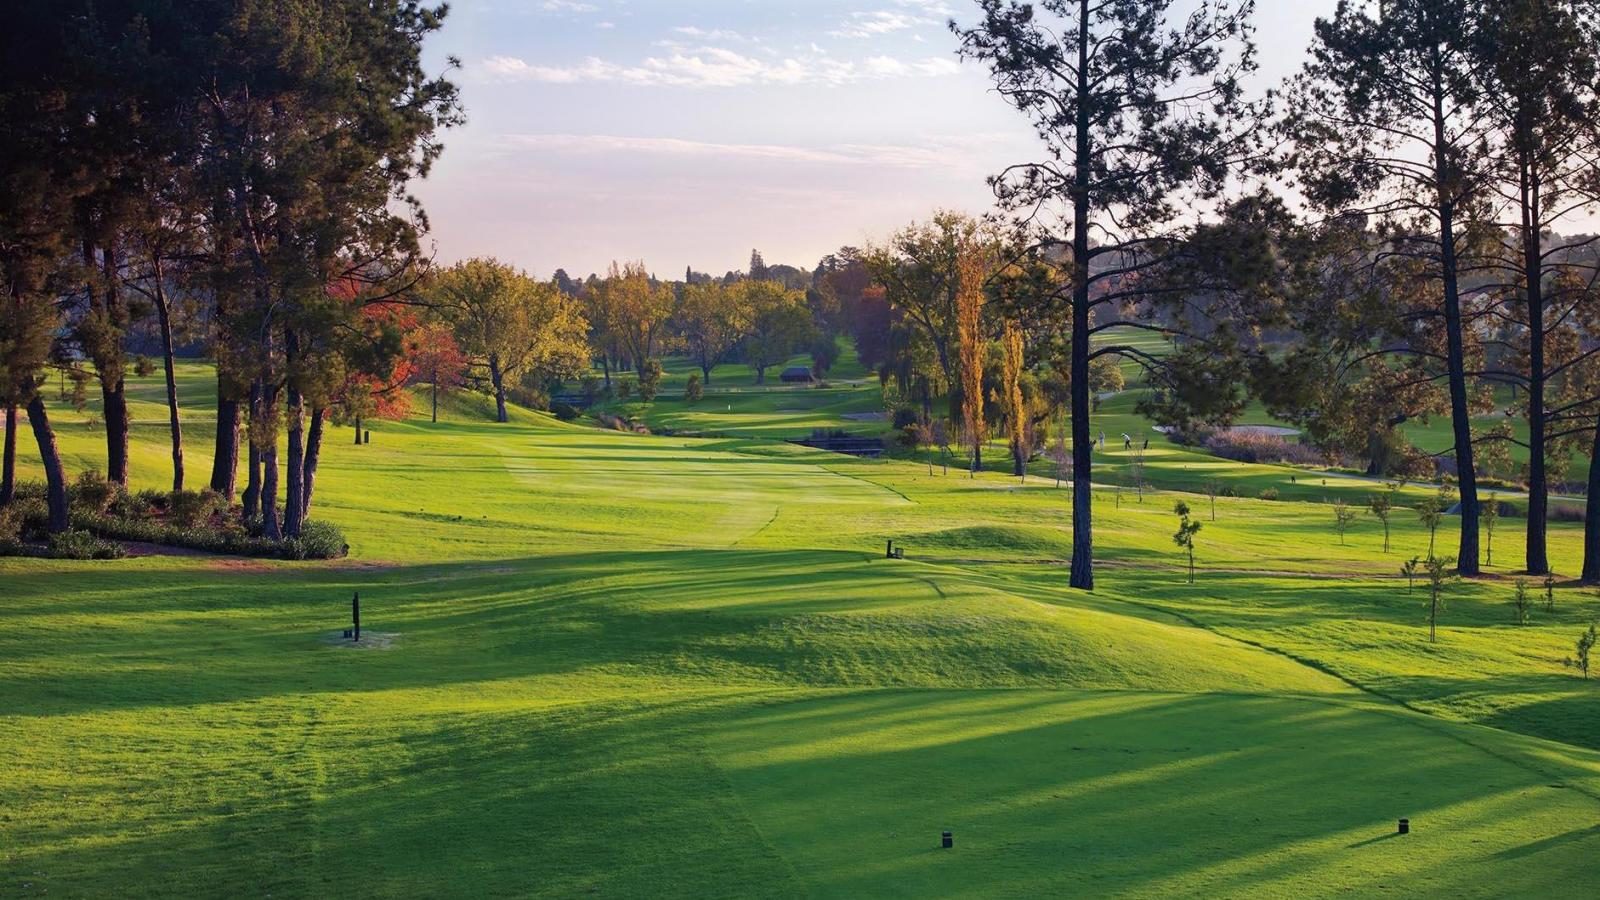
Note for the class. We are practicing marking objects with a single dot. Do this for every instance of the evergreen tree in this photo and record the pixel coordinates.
(1139, 115)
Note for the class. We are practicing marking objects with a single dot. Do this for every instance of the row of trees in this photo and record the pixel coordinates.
(240, 166)
(1430, 148)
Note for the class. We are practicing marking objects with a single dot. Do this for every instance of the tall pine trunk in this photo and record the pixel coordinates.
(110, 367)
(313, 456)
(252, 491)
(270, 526)
(1082, 573)
(1538, 560)
(294, 503)
(8, 468)
(164, 315)
(1460, 421)
(1591, 514)
(225, 456)
(55, 477)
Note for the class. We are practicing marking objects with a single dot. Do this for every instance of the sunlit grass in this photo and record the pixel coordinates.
(628, 664)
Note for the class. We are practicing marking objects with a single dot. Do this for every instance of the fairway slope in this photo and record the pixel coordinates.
(631, 665)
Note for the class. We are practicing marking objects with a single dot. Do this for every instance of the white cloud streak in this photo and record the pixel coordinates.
(934, 153)
(717, 67)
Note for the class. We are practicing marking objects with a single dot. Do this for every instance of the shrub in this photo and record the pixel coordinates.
(625, 391)
(694, 390)
(649, 379)
(317, 540)
(1562, 512)
(186, 509)
(1255, 447)
(154, 499)
(530, 396)
(129, 506)
(92, 491)
(1270, 493)
(566, 412)
(904, 417)
(76, 544)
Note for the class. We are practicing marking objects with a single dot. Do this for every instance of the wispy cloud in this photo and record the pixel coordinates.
(933, 153)
(712, 34)
(567, 6)
(713, 67)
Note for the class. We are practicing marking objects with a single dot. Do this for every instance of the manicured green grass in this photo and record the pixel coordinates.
(629, 665)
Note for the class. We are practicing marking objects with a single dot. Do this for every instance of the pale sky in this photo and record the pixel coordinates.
(688, 133)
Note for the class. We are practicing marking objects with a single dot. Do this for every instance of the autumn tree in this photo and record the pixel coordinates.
(636, 311)
(1017, 422)
(920, 270)
(508, 324)
(436, 360)
(971, 344)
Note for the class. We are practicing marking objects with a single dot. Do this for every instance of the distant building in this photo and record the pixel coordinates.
(796, 374)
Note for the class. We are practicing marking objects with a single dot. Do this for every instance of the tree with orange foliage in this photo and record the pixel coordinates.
(436, 360)
(1016, 414)
(970, 272)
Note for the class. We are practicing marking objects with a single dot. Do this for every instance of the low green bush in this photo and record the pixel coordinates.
(317, 540)
(1270, 493)
(77, 544)
(566, 412)
(186, 509)
(93, 492)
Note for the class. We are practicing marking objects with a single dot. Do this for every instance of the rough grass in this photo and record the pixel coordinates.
(631, 665)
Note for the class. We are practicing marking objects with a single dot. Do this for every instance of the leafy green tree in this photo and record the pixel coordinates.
(1212, 487)
(1138, 114)
(779, 324)
(1521, 602)
(1586, 642)
(1430, 512)
(1343, 518)
(693, 391)
(1184, 536)
(1382, 506)
(824, 350)
(1409, 570)
(710, 320)
(1438, 574)
(650, 373)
